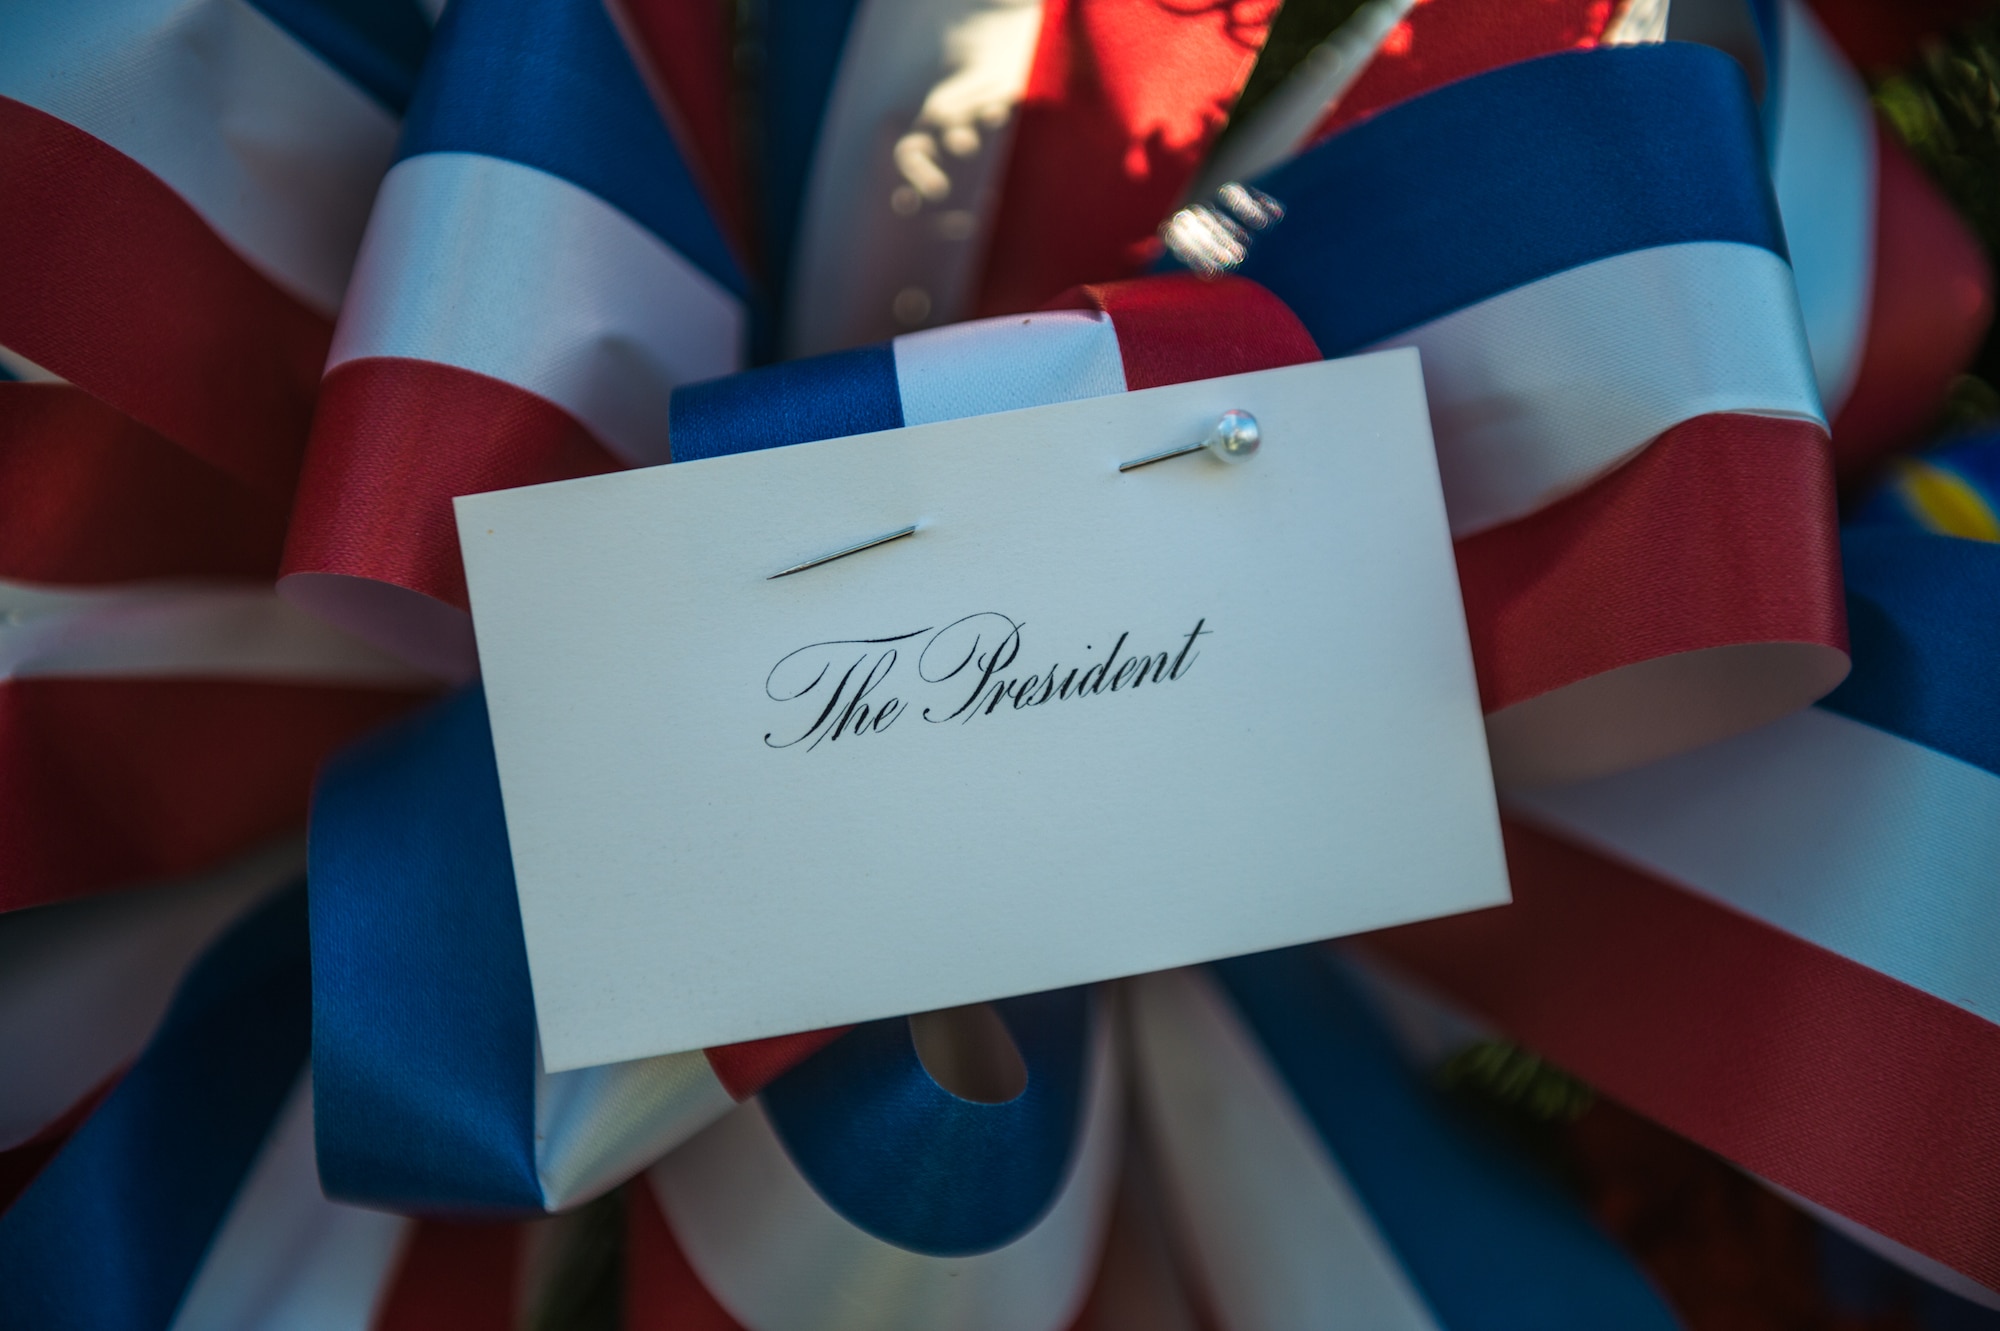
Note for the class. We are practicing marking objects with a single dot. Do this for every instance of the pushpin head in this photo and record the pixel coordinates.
(1234, 437)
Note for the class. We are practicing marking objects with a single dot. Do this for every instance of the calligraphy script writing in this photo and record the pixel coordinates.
(855, 686)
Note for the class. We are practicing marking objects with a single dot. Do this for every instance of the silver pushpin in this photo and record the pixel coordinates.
(1233, 438)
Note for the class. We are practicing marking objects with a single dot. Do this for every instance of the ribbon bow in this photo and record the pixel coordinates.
(1640, 292)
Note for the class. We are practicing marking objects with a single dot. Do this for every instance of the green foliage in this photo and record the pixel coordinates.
(1509, 1077)
(1971, 402)
(1946, 109)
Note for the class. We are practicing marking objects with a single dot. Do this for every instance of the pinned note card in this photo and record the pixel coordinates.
(1078, 723)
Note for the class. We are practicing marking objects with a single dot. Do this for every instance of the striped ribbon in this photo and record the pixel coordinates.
(1895, 290)
(536, 180)
(1634, 334)
(187, 1198)
(145, 250)
(858, 1191)
(1779, 945)
(1318, 1182)
(82, 986)
(539, 272)
(154, 1168)
(1539, 232)
(1310, 1177)
(441, 1104)
(187, 183)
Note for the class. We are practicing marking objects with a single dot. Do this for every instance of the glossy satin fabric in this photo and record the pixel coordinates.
(1716, 537)
(1552, 163)
(422, 1103)
(859, 1191)
(914, 1164)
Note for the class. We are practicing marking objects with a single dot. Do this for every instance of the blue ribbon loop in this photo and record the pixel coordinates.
(423, 1020)
(913, 1164)
(1507, 177)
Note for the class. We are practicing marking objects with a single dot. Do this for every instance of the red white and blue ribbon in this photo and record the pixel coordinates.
(189, 184)
(918, 1195)
(1640, 291)
(1317, 1181)
(83, 984)
(1093, 341)
(861, 1187)
(925, 163)
(1894, 289)
(186, 1198)
(186, 187)
(1780, 945)
(1586, 250)
(440, 1104)
(1537, 232)
(540, 271)
(155, 1167)
(496, 339)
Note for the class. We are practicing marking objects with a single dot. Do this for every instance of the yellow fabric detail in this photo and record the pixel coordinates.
(1945, 503)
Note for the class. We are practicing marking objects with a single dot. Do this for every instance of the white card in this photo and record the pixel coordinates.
(707, 853)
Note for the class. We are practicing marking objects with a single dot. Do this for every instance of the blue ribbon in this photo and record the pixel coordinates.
(109, 1236)
(1490, 1244)
(423, 1020)
(1923, 624)
(820, 397)
(915, 1165)
(549, 84)
(424, 1029)
(802, 43)
(378, 45)
(1498, 180)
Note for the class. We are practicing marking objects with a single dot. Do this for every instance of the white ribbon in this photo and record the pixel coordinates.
(519, 275)
(907, 171)
(285, 1256)
(1277, 1235)
(275, 149)
(190, 630)
(779, 1258)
